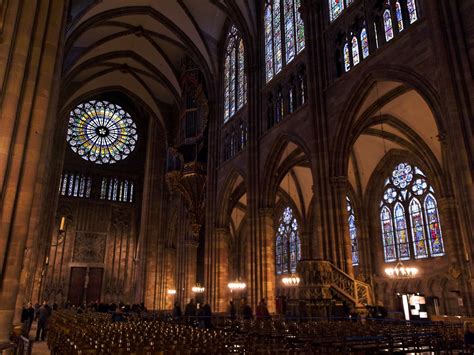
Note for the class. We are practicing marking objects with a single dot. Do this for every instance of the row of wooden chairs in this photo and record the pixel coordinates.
(95, 333)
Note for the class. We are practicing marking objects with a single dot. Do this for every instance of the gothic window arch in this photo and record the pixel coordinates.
(387, 25)
(347, 58)
(284, 34)
(336, 7)
(235, 80)
(351, 222)
(364, 41)
(412, 14)
(355, 51)
(398, 13)
(409, 217)
(287, 243)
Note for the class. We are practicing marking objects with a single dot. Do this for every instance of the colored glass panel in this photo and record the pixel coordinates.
(227, 88)
(268, 42)
(300, 42)
(335, 8)
(355, 51)
(401, 233)
(398, 12)
(387, 235)
(288, 246)
(376, 35)
(417, 230)
(387, 22)
(411, 5)
(289, 18)
(433, 225)
(241, 97)
(347, 59)
(277, 37)
(232, 69)
(352, 232)
(101, 132)
(364, 40)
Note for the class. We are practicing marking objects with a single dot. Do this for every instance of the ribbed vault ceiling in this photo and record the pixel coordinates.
(140, 45)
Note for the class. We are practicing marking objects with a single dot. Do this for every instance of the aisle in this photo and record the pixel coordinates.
(39, 347)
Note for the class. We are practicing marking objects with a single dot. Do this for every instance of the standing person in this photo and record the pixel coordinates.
(232, 310)
(207, 314)
(27, 318)
(262, 310)
(44, 312)
(190, 311)
(246, 310)
(177, 314)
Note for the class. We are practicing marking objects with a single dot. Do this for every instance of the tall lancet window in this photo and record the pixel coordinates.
(351, 221)
(411, 5)
(355, 51)
(287, 243)
(387, 24)
(235, 80)
(364, 39)
(409, 217)
(398, 12)
(284, 34)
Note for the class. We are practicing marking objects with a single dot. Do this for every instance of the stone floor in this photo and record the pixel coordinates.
(39, 347)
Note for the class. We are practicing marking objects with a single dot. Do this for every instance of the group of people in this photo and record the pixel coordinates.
(41, 314)
(200, 314)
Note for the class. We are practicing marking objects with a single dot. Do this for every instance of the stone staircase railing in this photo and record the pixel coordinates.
(320, 279)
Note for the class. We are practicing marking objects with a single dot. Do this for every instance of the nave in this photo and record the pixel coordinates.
(312, 159)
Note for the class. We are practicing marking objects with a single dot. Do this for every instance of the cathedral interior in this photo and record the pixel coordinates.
(304, 152)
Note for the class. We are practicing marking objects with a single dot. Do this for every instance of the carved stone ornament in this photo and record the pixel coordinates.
(454, 271)
(89, 247)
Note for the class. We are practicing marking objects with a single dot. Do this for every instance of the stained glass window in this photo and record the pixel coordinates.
(433, 226)
(376, 36)
(417, 230)
(268, 41)
(284, 34)
(101, 132)
(411, 5)
(387, 235)
(398, 12)
(352, 232)
(355, 51)
(364, 39)
(287, 243)
(409, 216)
(335, 8)
(347, 59)
(387, 23)
(235, 81)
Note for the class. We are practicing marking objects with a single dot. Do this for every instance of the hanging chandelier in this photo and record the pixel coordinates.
(291, 281)
(198, 289)
(236, 286)
(171, 292)
(401, 272)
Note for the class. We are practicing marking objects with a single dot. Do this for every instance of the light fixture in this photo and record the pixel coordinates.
(236, 286)
(171, 292)
(198, 288)
(401, 272)
(291, 281)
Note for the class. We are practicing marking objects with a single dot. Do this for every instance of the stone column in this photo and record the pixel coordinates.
(266, 263)
(339, 186)
(190, 266)
(170, 282)
(220, 270)
(31, 41)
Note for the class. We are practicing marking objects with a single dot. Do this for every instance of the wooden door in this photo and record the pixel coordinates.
(76, 285)
(94, 287)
